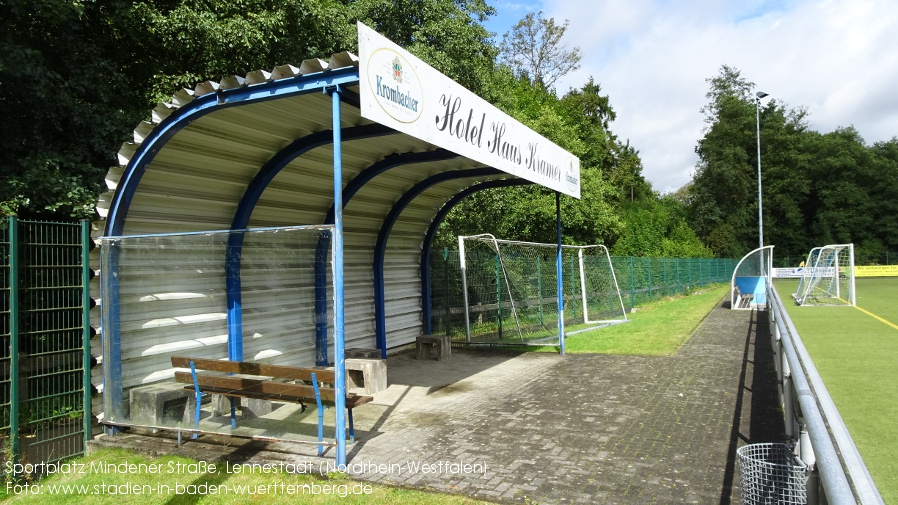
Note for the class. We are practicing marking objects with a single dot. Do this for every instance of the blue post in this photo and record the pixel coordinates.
(339, 363)
(559, 267)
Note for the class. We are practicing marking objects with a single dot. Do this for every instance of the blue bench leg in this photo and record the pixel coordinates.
(320, 417)
(199, 400)
(233, 413)
(351, 428)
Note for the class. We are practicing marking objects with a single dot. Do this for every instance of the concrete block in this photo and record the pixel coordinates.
(154, 404)
(369, 374)
(441, 343)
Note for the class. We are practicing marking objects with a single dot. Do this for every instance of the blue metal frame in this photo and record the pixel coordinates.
(339, 335)
(431, 234)
(349, 191)
(560, 270)
(381, 246)
(245, 209)
(145, 154)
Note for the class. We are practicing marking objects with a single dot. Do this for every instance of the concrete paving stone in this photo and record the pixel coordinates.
(579, 429)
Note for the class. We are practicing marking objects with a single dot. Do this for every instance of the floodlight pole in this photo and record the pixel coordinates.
(759, 95)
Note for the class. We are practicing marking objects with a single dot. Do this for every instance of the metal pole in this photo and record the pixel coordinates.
(539, 289)
(448, 291)
(339, 335)
(14, 338)
(759, 96)
(559, 267)
(583, 284)
(85, 321)
(464, 286)
(499, 292)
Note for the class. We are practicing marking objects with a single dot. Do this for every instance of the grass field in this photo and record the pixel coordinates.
(657, 328)
(856, 355)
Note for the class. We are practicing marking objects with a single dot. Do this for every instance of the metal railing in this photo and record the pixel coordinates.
(812, 419)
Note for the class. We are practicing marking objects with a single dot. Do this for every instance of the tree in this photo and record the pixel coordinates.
(447, 34)
(533, 50)
(817, 188)
(65, 106)
(723, 198)
(657, 228)
(76, 76)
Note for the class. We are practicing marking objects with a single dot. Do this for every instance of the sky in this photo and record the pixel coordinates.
(838, 59)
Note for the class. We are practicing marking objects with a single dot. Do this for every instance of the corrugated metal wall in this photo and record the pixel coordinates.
(195, 182)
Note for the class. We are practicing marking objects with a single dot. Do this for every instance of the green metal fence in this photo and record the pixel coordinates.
(644, 279)
(45, 332)
(639, 279)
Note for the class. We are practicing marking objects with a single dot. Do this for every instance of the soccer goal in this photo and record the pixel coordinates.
(828, 277)
(511, 290)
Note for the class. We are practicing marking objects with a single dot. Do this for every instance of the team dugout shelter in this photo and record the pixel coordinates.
(284, 216)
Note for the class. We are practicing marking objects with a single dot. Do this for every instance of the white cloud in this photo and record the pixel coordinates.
(652, 58)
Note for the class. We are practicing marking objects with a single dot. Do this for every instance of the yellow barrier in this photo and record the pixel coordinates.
(876, 271)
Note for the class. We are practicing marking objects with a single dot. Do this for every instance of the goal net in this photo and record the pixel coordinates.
(827, 277)
(511, 290)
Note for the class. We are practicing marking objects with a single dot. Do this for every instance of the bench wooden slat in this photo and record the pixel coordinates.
(262, 387)
(245, 386)
(261, 369)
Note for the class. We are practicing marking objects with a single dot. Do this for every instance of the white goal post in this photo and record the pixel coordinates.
(827, 277)
(510, 289)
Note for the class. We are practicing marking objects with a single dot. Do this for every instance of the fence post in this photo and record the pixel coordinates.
(85, 317)
(14, 338)
(665, 289)
(632, 285)
(648, 264)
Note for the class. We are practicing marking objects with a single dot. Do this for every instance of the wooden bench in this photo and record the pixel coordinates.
(743, 300)
(264, 382)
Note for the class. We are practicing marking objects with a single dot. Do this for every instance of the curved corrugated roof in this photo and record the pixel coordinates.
(256, 151)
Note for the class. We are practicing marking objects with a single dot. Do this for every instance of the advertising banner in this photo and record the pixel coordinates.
(402, 92)
(876, 271)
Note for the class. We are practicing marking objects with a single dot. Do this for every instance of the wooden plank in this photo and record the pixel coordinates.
(261, 369)
(260, 388)
(266, 390)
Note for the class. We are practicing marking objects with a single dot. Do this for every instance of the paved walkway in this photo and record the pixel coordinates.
(581, 429)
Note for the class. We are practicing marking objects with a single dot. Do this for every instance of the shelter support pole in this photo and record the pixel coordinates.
(339, 335)
(559, 267)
